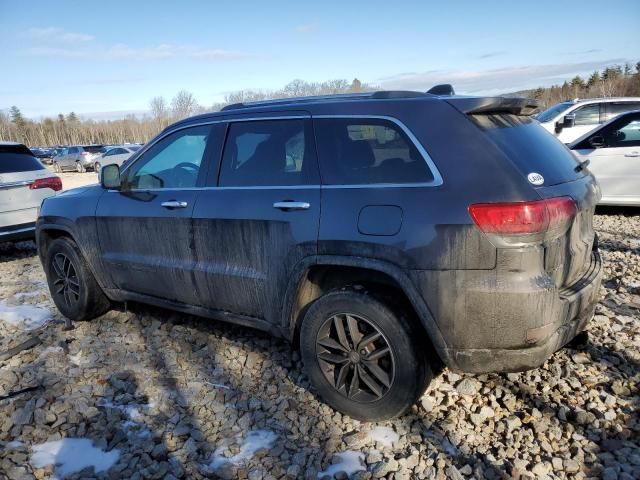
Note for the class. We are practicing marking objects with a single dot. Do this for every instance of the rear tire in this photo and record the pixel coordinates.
(72, 285)
(97, 167)
(56, 167)
(387, 382)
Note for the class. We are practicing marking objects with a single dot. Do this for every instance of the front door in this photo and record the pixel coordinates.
(260, 220)
(145, 228)
(616, 165)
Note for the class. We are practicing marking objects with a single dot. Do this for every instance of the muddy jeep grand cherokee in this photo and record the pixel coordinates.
(379, 232)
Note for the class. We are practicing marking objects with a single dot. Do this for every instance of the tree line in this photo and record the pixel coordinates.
(70, 129)
(617, 80)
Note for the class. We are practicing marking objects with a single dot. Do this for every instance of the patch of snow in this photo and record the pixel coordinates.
(218, 385)
(26, 294)
(71, 455)
(14, 444)
(25, 316)
(385, 435)
(256, 440)
(349, 462)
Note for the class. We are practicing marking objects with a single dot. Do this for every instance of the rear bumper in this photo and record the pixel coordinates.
(25, 231)
(577, 306)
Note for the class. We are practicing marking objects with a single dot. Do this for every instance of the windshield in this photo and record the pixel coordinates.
(551, 112)
(17, 159)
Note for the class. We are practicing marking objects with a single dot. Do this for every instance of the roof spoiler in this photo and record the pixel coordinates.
(442, 90)
(515, 106)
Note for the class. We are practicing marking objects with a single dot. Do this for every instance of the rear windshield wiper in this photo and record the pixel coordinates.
(582, 165)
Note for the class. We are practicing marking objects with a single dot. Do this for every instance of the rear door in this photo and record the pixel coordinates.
(616, 164)
(18, 201)
(145, 228)
(262, 217)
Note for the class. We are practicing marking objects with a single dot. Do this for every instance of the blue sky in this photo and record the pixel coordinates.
(114, 56)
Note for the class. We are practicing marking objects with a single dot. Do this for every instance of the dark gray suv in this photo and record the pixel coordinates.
(381, 233)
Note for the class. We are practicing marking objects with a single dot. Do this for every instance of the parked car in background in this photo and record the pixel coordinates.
(453, 229)
(24, 183)
(42, 154)
(117, 154)
(572, 119)
(78, 157)
(613, 153)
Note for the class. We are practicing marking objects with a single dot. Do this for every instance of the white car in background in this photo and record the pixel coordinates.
(117, 154)
(24, 183)
(613, 153)
(572, 119)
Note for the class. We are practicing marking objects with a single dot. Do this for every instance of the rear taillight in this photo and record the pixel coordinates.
(54, 183)
(524, 222)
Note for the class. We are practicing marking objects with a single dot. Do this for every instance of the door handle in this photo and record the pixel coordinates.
(174, 204)
(632, 154)
(290, 205)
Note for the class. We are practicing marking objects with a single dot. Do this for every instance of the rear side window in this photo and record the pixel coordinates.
(530, 147)
(356, 151)
(268, 153)
(94, 149)
(615, 109)
(17, 158)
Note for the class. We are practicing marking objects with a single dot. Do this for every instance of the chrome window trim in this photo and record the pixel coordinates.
(436, 182)
(21, 183)
(437, 178)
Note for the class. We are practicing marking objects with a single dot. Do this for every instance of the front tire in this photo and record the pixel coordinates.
(56, 167)
(363, 358)
(72, 285)
(80, 168)
(97, 167)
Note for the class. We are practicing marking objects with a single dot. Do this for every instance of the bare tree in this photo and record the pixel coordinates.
(183, 104)
(159, 111)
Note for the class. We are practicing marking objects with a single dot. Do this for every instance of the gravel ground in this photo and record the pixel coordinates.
(155, 394)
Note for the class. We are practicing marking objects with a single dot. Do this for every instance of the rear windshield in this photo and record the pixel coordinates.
(94, 149)
(530, 147)
(14, 160)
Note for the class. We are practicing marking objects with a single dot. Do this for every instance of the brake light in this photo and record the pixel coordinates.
(54, 183)
(522, 218)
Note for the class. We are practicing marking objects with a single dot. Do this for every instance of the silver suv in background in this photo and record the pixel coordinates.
(78, 157)
(574, 118)
(24, 183)
(117, 154)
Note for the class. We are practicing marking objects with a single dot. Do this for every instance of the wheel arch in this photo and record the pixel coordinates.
(314, 276)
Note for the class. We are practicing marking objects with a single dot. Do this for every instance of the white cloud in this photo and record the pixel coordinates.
(501, 80)
(308, 28)
(122, 51)
(55, 33)
(52, 52)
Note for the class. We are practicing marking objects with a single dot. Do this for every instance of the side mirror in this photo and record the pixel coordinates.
(110, 177)
(597, 141)
(569, 121)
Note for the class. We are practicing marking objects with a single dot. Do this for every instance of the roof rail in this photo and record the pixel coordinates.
(379, 95)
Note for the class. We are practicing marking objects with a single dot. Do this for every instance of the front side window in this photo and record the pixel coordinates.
(173, 162)
(623, 133)
(268, 153)
(362, 151)
(587, 115)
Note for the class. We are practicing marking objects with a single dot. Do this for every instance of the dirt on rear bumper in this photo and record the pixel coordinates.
(578, 302)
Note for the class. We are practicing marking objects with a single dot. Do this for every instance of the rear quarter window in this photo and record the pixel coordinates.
(356, 151)
(530, 147)
(18, 159)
